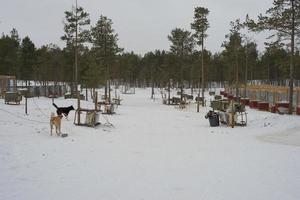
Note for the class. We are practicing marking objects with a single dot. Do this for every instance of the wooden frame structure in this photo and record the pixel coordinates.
(15, 97)
(92, 115)
(7, 83)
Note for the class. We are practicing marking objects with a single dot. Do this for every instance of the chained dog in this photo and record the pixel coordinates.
(55, 121)
(63, 110)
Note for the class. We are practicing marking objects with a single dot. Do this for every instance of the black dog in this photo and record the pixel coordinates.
(63, 110)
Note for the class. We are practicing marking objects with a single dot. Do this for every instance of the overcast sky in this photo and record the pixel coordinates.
(142, 25)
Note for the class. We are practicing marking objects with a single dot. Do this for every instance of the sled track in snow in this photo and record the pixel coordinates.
(287, 137)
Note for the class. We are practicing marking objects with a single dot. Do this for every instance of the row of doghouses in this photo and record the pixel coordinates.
(266, 97)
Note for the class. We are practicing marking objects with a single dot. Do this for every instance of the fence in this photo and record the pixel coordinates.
(267, 93)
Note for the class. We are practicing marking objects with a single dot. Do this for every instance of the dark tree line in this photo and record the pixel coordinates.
(20, 57)
(100, 59)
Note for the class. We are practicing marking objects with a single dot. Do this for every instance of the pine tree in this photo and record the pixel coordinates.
(182, 42)
(27, 59)
(276, 62)
(200, 26)
(9, 48)
(182, 45)
(92, 77)
(50, 64)
(283, 18)
(104, 41)
(76, 33)
(233, 48)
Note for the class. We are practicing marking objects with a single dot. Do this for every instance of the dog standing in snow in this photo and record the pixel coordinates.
(63, 110)
(55, 121)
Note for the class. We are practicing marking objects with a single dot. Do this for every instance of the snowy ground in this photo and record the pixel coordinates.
(155, 152)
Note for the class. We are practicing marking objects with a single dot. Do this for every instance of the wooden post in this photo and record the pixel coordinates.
(86, 94)
(192, 90)
(96, 101)
(25, 105)
(297, 98)
(169, 91)
(96, 109)
(274, 97)
(232, 115)
(181, 93)
(109, 97)
(78, 107)
(259, 93)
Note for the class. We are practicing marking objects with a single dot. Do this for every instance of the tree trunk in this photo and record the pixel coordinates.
(181, 92)
(169, 90)
(105, 90)
(246, 73)
(291, 82)
(202, 69)
(109, 95)
(152, 85)
(237, 72)
(198, 102)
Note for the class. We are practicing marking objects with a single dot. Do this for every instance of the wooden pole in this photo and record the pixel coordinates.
(86, 94)
(169, 91)
(109, 95)
(297, 97)
(292, 59)
(96, 101)
(202, 69)
(198, 102)
(78, 107)
(26, 105)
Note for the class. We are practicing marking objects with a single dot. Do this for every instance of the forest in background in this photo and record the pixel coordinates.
(100, 58)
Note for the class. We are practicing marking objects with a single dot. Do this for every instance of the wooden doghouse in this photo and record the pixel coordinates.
(7, 84)
(245, 101)
(263, 106)
(298, 110)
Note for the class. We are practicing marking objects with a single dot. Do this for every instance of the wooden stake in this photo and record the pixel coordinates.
(297, 97)
(96, 100)
(78, 107)
(86, 94)
(25, 105)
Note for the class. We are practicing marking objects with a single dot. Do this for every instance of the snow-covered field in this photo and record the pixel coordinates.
(154, 152)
